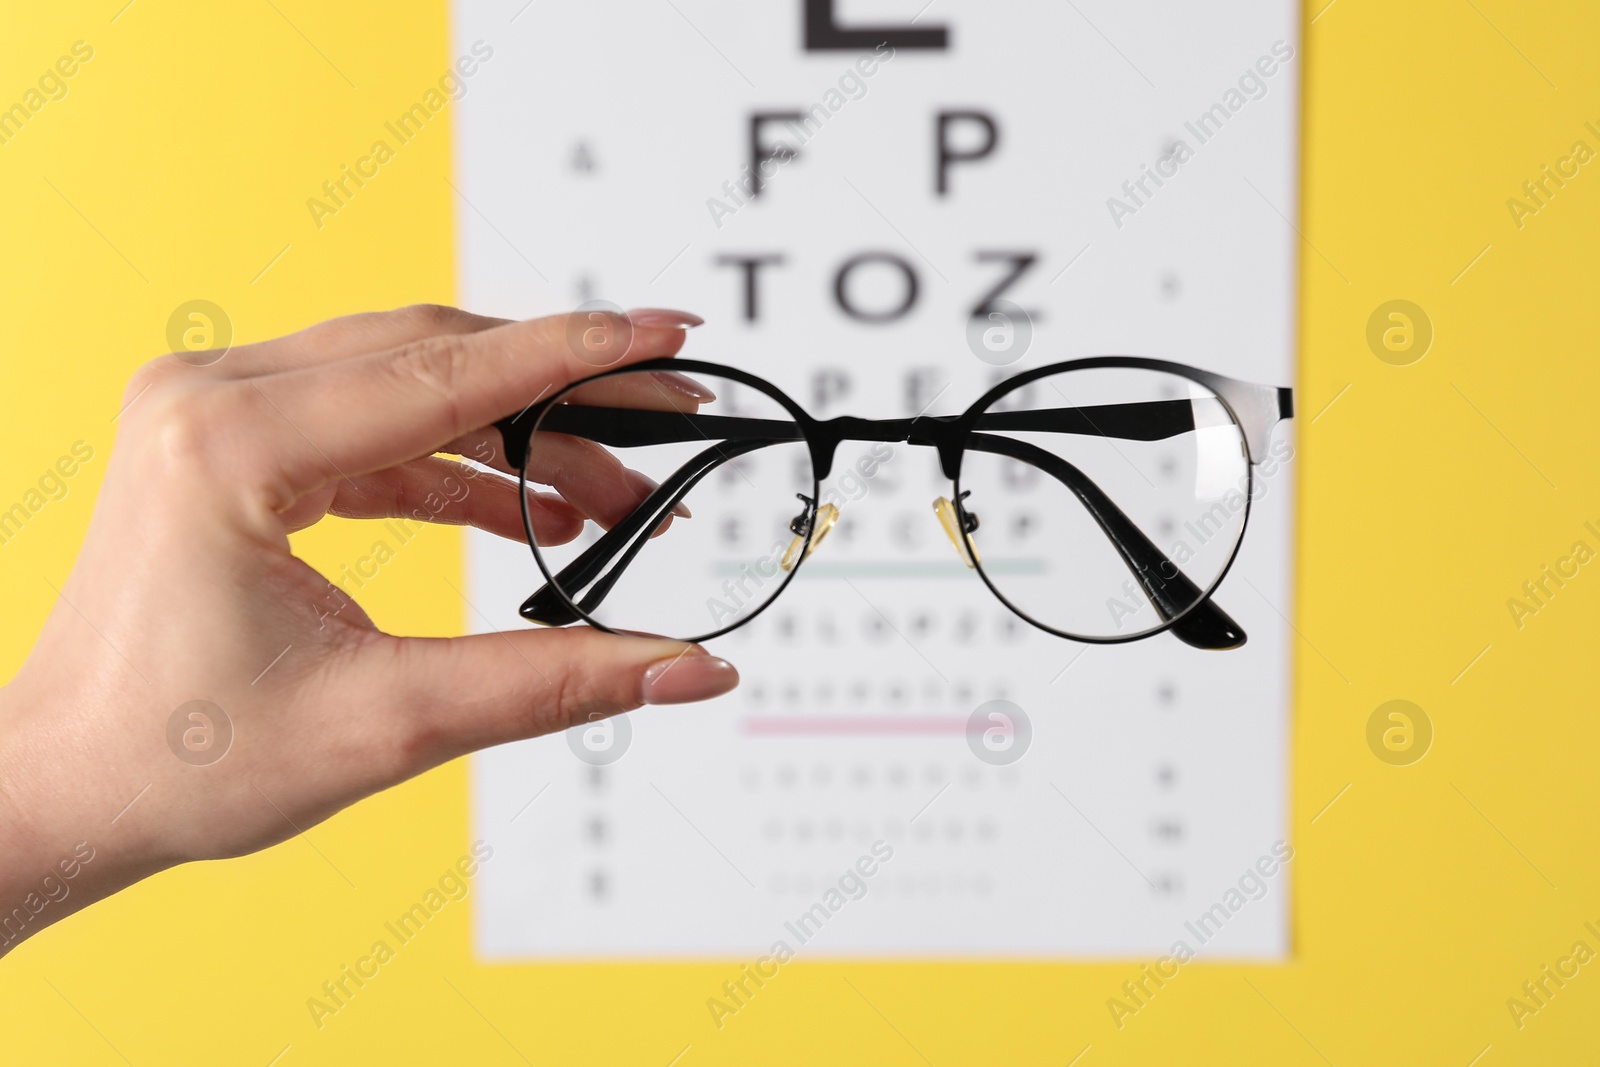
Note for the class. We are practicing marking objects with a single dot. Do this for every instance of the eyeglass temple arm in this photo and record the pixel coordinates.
(627, 537)
(1147, 420)
(1168, 588)
(634, 427)
(1171, 591)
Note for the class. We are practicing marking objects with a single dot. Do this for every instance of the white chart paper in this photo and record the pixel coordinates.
(1129, 173)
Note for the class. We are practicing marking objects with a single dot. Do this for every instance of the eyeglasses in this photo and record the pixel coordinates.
(1087, 463)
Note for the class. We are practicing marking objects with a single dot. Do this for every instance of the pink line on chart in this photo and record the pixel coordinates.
(817, 725)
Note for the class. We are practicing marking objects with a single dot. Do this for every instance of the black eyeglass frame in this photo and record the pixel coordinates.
(1254, 409)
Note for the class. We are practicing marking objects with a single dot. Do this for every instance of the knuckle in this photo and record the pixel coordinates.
(372, 327)
(438, 365)
(202, 431)
(564, 703)
(598, 325)
(338, 332)
(394, 755)
(183, 427)
(578, 694)
(433, 362)
(432, 316)
(413, 736)
(172, 415)
(146, 377)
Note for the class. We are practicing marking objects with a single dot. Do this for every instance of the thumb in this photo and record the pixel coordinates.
(457, 695)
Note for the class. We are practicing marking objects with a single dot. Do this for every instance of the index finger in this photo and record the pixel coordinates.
(365, 414)
(656, 390)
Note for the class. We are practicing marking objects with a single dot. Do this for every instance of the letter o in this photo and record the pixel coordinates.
(841, 287)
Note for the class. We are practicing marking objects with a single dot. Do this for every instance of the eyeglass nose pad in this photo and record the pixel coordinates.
(827, 515)
(950, 521)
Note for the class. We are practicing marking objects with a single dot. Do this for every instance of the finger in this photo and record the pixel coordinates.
(591, 478)
(458, 695)
(645, 390)
(358, 415)
(376, 331)
(581, 471)
(653, 390)
(438, 490)
(348, 336)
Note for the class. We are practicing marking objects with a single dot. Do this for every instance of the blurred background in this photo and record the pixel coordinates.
(1394, 220)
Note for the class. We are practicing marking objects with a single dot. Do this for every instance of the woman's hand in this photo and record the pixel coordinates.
(186, 590)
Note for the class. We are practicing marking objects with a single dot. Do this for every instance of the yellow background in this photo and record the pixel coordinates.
(1423, 897)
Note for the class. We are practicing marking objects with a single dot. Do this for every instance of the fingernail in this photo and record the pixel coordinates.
(686, 385)
(668, 317)
(687, 678)
(643, 485)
